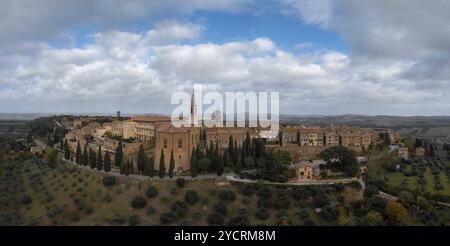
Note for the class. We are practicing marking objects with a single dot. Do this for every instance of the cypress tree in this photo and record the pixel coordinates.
(235, 152)
(211, 151)
(141, 159)
(66, 150)
(126, 167)
(237, 164)
(247, 145)
(92, 158)
(172, 164)
(230, 145)
(147, 167)
(216, 157)
(162, 167)
(85, 155)
(131, 167)
(431, 150)
(107, 162)
(122, 168)
(226, 159)
(242, 158)
(119, 155)
(280, 138)
(99, 158)
(193, 164)
(219, 165)
(78, 155)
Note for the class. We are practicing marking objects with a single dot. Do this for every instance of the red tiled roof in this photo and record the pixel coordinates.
(150, 118)
(169, 128)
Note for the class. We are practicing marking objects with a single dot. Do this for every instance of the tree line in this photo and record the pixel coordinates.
(250, 154)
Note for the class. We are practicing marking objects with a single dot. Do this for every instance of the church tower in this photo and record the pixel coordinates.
(194, 111)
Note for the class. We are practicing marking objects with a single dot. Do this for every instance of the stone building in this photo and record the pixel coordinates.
(221, 135)
(331, 138)
(311, 137)
(89, 129)
(308, 170)
(420, 152)
(117, 128)
(145, 126)
(129, 129)
(180, 140)
(289, 134)
(403, 152)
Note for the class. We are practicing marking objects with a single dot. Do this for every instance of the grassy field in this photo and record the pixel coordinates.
(69, 195)
(395, 180)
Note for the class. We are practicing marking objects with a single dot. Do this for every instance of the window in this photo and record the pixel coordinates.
(180, 143)
(165, 143)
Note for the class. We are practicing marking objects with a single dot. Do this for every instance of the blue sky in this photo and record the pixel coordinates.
(287, 31)
(322, 56)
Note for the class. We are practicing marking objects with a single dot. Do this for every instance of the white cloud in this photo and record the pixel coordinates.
(22, 21)
(398, 61)
(311, 12)
(122, 70)
(169, 31)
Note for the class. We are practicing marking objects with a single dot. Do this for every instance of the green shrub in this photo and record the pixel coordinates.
(239, 220)
(191, 197)
(25, 199)
(151, 210)
(371, 190)
(196, 216)
(75, 217)
(109, 181)
(49, 198)
(134, 220)
(221, 208)
(151, 192)
(88, 210)
(247, 190)
(179, 208)
(117, 219)
(215, 219)
(262, 214)
(282, 179)
(227, 196)
(167, 218)
(138, 202)
(181, 182)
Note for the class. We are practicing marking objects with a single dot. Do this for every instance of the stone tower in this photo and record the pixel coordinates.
(194, 111)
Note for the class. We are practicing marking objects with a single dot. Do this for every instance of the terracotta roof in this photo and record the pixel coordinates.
(289, 129)
(169, 128)
(151, 118)
(312, 163)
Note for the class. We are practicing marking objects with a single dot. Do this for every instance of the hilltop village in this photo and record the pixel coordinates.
(163, 146)
(140, 170)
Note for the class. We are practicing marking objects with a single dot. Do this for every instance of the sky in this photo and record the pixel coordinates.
(372, 57)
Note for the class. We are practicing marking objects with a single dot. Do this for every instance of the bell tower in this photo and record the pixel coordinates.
(194, 120)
